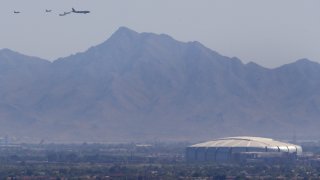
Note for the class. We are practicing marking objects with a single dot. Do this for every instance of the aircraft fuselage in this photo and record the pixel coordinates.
(83, 12)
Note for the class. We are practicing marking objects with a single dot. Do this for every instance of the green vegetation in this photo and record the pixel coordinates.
(149, 171)
(129, 161)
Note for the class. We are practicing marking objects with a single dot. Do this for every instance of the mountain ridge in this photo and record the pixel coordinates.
(142, 86)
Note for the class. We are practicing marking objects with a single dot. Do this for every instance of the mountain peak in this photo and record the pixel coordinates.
(120, 84)
(301, 63)
(122, 35)
(8, 55)
(254, 65)
(304, 61)
(7, 51)
(124, 31)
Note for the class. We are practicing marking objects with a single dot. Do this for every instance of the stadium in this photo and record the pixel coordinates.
(242, 148)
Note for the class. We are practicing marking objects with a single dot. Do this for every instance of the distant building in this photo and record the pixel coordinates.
(242, 149)
(4, 140)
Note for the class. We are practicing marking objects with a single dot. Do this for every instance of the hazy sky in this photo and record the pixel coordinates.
(268, 32)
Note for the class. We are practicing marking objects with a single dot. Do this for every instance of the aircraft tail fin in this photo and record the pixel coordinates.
(73, 10)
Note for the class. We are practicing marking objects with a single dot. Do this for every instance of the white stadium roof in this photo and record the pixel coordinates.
(250, 142)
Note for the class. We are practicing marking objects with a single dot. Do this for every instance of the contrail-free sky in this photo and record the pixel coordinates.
(268, 32)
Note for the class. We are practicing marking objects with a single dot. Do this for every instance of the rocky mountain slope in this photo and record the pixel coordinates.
(143, 86)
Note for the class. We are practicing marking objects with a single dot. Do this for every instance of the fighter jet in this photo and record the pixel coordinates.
(16, 12)
(83, 12)
(65, 13)
(48, 10)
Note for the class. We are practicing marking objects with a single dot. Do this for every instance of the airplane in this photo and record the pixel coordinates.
(83, 12)
(48, 10)
(16, 12)
(65, 13)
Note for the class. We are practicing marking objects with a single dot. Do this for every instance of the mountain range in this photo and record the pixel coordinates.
(146, 87)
